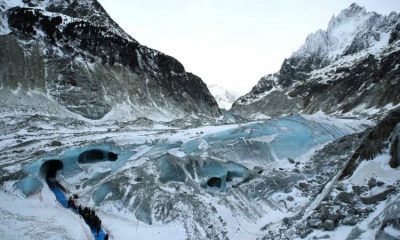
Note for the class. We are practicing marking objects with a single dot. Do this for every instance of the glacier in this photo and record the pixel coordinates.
(158, 180)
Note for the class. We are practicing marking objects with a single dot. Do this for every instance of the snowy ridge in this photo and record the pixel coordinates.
(350, 64)
(353, 27)
(224, 97)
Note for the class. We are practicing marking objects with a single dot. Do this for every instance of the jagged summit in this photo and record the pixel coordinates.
(359, 50)
(352, 30)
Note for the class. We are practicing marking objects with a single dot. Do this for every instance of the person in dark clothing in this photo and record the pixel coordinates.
(98, 226)
(69, 202)
(106, 237)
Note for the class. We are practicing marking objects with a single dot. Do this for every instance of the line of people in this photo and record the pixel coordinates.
(87, 214)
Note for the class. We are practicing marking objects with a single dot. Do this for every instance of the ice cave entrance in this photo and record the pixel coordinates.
(214, 182)
(49, 168)
(96, 155)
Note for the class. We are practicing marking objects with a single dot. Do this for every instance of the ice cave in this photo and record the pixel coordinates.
(96, 155)
(50, 168)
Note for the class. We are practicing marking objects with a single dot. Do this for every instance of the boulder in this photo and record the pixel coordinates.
(55, 144)
(371, 182)
(378, 197)
(350, 220)
(329, 225)
(355, 233)
(359, 189)
(345, 197)
(303, 185)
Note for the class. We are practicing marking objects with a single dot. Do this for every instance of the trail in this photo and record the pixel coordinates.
(56, 188)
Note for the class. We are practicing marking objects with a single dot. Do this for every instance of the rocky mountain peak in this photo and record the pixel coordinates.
(354, 10)
(352, 45)
(93, 67)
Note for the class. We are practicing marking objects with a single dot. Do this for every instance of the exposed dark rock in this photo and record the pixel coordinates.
(359, 189)
(395, 34)
(329, 225)
(371, 182)
(91, 65)
(373, 141)
(378, 197)
(55, 144)
(355, 233)
(350, 220)
(138, 179)
(315, 223)
(303, 185)
(395, 148)
(345, 197)
(380, 184)
(286, 220)
(311, 80)
(382, 234)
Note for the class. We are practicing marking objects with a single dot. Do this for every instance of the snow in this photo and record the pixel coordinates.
(351, 124)
(125, 228)
(40, 216)
(378, 169)
(224, 98)
(148, 144)
(259, 116)
(341, 32)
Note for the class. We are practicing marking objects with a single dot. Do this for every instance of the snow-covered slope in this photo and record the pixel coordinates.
(77, 55)
(224, 98)
(212, 182)
(352, 66)
(292, 177)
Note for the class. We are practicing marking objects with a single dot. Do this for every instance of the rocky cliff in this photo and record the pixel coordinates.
(351, 66)
(76, 54)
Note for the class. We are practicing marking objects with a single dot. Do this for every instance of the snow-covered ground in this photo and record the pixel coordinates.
(122, 191)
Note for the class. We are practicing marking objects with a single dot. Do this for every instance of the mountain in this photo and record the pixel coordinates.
(224, 98)
(75, 54)
(352, 66)
(296, 176)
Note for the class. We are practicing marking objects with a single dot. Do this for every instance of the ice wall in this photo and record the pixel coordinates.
(286, 137)
(71, 160)
(30, 185)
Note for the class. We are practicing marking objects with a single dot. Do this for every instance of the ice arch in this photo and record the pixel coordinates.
(96, 155)
(49, 168)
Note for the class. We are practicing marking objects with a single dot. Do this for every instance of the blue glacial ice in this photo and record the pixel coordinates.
(281, 138)
(218, 160)
(208, 172)
(71, 160)
(30, 185)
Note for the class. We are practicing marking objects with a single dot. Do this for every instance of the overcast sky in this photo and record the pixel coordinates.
(232, 43)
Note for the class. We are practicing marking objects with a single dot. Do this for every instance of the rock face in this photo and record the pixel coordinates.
(352, 66)
(374, 142)
(76, 53)
(395, 147)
